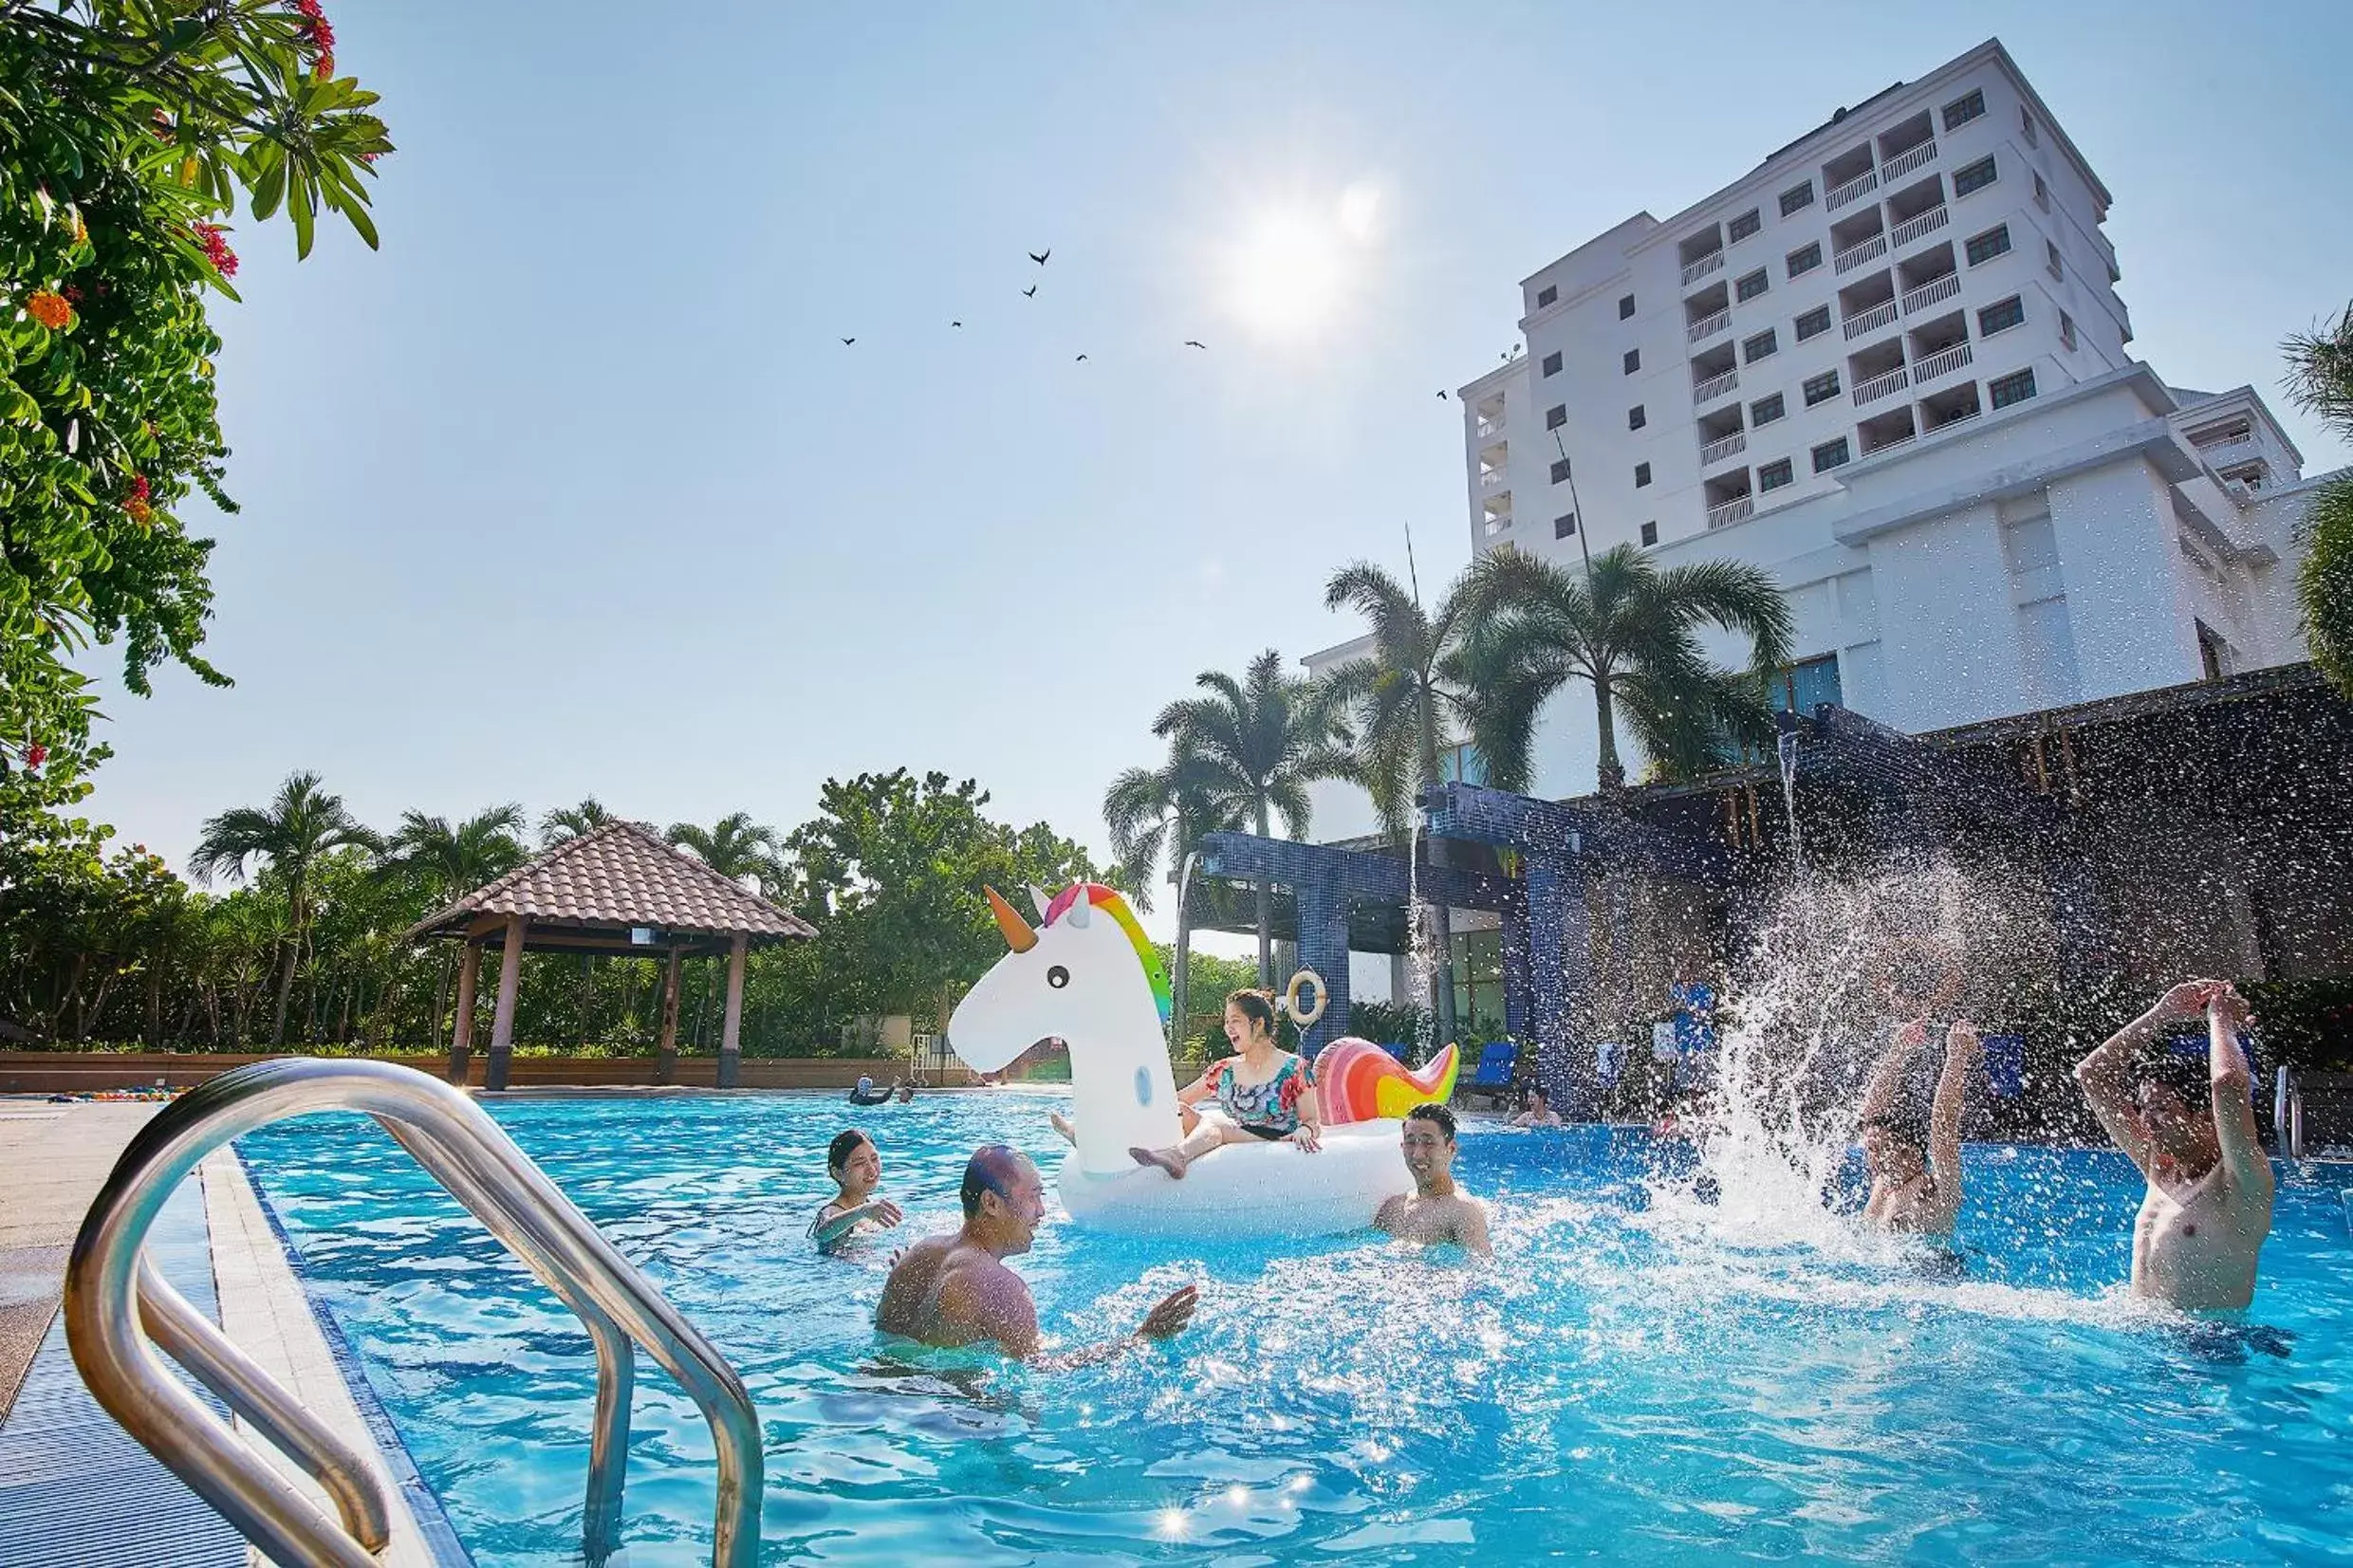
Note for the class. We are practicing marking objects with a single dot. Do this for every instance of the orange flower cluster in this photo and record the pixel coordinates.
(49, 309)
(136, 505)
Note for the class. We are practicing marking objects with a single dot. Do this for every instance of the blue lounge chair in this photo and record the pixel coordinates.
(1499, 1062)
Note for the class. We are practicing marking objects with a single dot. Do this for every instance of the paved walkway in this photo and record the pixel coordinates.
(57, 1158)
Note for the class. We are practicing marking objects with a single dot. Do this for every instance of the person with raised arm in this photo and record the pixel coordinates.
(955, 1290)
(2190, 1127)
(1915, 1171)
(855, 1166)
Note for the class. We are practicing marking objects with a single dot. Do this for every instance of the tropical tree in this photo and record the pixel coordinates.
(1630, 630)
(1160, 813)
(2320, 379)
(571, 822)
(736, 848)
(1254, 745)
(287, 839)
(446, 863)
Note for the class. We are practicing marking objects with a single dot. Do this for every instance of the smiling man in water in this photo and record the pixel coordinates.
(1434, 1211)
(956, 1290)
(2192, 1132)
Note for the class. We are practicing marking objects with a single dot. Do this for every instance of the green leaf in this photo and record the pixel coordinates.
(270, 190)
(298, 205)
(16, 404)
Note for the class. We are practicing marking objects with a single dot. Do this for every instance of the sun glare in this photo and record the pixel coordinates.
(1292, 270)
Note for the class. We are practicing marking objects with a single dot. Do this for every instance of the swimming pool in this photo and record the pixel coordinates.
(1638, 1380)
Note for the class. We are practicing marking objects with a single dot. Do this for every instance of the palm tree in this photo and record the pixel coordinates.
(1253, 746)
(571, 822)
(1160, 813)
(1630, 630)
(449, 862)
(2320, 381)
(736, 848)
(288, 837)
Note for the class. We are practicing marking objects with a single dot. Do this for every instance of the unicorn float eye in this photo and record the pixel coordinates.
(1058, 977)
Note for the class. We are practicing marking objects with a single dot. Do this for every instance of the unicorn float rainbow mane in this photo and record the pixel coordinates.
(1098, 985)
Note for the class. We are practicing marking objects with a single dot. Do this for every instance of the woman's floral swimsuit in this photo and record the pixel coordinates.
(1270, 1109)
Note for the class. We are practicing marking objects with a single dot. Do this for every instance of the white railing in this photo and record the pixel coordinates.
(1491, 427)
(1704, 266)
(1490, 478)
(1927, 223)
(1943, 364)
(1854, 256)
(1732, 511)
(1497, 525)
(1931, 292)
(1861, 185)
(1731, 446)
(2223, 454)
(1715, 387)
(1880, 387)
(1871, 320)
(1904, 439)
(1708, 327)
(1904, 162)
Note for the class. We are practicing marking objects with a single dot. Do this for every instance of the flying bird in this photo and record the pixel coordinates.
(1039, 256)
(956, 323)
(1030, 292)
(1195, 342)
(1081, 359)
(1441, 391)
(847, 341)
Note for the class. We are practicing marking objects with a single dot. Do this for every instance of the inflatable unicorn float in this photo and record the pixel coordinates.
(1086, 974)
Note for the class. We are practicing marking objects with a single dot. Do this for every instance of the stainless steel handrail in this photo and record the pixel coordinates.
(456, 1143)
(2288, 1114)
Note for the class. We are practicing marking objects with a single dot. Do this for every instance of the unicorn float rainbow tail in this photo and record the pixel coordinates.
(1357, 1080)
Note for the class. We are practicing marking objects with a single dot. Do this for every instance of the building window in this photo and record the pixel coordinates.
(1976, 177)
(1632, 361)
(1758, 347)
(1807, 685)
(2050, 259)
(1752, 286)
(1553, 364)
(1641, 476)
(2025, 127)
(1560, 470)
(2000, 316)
(1992, 243)
(1650, 533)
(2066, 329)
(1813, 323)
(1636, 418)
(1565, 524)
(2010, 389)
(1964, 109)
(1822, 388)
(1746, 224)
(1773, 475)
(1794, 199)
(1830, 454)
(1766, 409)
(1545, 295)
(1625, 306)
(1805, 258)
(2041, 193)
(1556, 417)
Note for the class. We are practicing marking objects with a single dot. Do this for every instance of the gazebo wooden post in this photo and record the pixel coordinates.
(502, 1019)
(461, 1027)
(666, 1067)
(731, 1034)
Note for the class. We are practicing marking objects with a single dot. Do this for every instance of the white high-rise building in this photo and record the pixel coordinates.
(1889, 365)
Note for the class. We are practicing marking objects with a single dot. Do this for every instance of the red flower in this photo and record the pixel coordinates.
(138, 487)
(73, 293)
(320, 34)
(217, 249)
(36, 754)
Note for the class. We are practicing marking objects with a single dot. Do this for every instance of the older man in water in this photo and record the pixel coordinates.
(2191, 1133)
(956, 1290)
(1434, 1211)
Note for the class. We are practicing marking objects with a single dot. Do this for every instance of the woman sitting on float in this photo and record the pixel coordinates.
(1266, 1092)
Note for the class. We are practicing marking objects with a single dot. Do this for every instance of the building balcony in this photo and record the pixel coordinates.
(1919, 227)
(1731, 446)
(1904, 162)
(1854, 190)
(1882, 386)
(1490, 479)
(1731, 512)
(1870, 249)
(1708, 327)
(1492, 425)
(1937, 366)
(1693, 272)
(1715, 386)
(1895, 428)
(1933, 292)
(1871, 321)
(2224, 454)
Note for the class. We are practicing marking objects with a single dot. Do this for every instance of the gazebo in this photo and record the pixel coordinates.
(617, 889)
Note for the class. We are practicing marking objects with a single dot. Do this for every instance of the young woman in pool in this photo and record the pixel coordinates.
(1916, 1170)
(1264, 1091)
(855, 1166)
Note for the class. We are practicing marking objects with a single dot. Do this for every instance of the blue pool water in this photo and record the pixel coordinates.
(1636, 1379)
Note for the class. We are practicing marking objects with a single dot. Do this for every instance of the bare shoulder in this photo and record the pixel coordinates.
(1391, 1210)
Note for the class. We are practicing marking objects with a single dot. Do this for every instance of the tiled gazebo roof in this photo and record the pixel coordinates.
(613, 878)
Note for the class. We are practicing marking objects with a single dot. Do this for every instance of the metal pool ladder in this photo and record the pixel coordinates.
(2288, 1114)
(111, 1293)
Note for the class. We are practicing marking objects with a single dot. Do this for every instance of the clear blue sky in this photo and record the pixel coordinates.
(571, 489)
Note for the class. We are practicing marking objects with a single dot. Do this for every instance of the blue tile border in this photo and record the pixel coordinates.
(432, 1521)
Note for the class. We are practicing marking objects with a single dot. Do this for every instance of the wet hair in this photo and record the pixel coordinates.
(1541, 1093)
(1258, 1006)
(1437, 1115)
(1906, 1129)
(845, 1144)
(2189, 1075)
(990, 1170)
